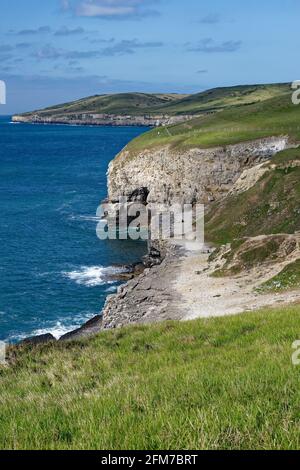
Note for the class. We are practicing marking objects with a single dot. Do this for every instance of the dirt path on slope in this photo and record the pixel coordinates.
(203, 296)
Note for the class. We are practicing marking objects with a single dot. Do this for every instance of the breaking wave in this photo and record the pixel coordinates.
(92, 276)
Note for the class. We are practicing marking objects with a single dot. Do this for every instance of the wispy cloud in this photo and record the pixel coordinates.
(62, 31)
(102, 41)
(211, 18)
(5, 48)
(5, 52)
(117, 48)
(65, 31)
(111, 9)
(209, 46)
(30, 32)
(129, 47)
(47, 52)
(23, 45)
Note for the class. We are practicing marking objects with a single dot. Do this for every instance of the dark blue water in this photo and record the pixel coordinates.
(53, 268)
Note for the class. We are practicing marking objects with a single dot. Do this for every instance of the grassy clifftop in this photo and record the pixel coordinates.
(225, 383)
(273, 117)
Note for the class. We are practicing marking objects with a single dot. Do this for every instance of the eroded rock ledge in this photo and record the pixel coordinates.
(148, 298)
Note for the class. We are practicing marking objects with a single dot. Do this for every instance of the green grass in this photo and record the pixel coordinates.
(287, 157)
(218, 99)
(119, 103)
(288, 278)
(271, 206)
(273, 117)
(225, 383)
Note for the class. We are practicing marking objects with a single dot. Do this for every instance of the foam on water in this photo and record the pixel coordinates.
(92, 276)
(86, 218)
(57, 328)
(57, 331)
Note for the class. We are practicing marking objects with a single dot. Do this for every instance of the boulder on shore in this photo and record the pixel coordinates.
(36, 340)
(90, 328)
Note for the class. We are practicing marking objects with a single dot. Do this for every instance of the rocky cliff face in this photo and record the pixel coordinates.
(88, 119)
(196, 175)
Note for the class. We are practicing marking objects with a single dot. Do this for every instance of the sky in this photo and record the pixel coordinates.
(54, 51)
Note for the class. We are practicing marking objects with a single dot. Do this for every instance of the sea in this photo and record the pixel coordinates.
(55, 274)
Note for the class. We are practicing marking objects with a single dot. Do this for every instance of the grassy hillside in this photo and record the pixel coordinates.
(270, 206)
(248, 253)
(170, 104)
(218, 99)
(124, 103)
(225, 383)
(275, 116)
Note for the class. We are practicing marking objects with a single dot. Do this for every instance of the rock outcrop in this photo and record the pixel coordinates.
(195, 175)
(37, 340)
(90, 328)
(148, 298)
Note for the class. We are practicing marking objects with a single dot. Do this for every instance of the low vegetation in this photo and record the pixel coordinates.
(246, 254)
(288, 278)
(271, 206)
(225, 383)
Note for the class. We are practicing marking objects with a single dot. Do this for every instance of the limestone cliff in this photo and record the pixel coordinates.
(90, 119)
(194, 175)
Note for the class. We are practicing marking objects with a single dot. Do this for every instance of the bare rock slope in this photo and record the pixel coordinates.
(195, 175)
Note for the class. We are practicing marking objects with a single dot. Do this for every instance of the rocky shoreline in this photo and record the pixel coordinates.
(144, 298)
(149, 298)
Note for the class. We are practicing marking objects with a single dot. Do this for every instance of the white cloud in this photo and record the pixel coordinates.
(114, 8)
(91, 9)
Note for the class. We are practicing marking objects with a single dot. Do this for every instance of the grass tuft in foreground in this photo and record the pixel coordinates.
(225, 383)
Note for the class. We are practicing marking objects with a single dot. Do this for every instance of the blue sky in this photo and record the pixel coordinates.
(58, 50)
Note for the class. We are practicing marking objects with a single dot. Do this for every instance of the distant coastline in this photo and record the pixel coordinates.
(104, 120)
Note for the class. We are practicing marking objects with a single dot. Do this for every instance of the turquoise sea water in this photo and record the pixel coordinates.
(53, 268)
